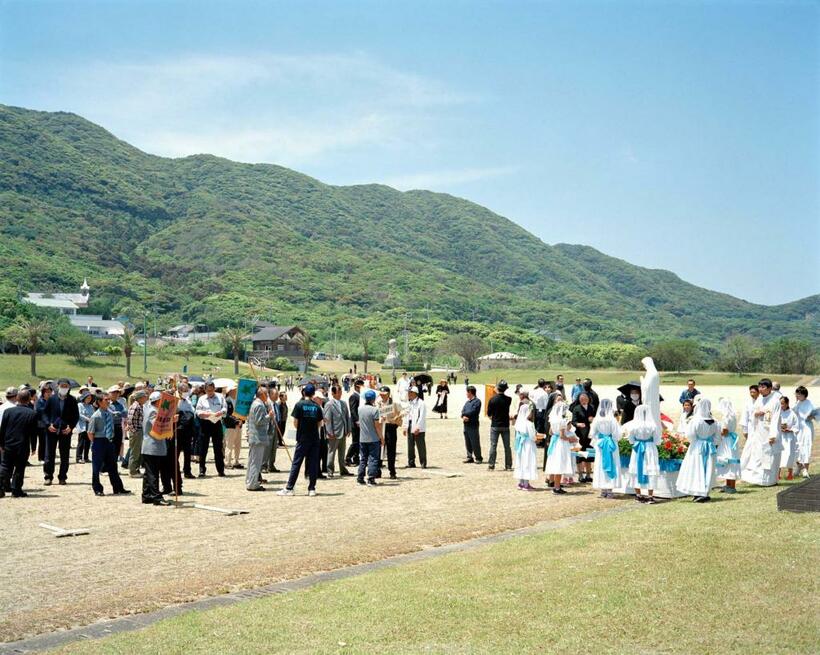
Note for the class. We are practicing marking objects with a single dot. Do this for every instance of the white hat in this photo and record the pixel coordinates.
(414, 390)
(11, 392)
(113, 388)
(155, 395)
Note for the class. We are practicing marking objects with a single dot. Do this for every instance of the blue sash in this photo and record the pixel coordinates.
(553, 440)
(707, 449)
(520, 438)
(640, 451)
(608, 448)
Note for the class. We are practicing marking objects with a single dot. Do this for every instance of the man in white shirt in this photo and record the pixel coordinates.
(760, 461)
(414, 427)
(210, 409)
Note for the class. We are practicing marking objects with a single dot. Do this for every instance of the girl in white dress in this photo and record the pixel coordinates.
(645, 436)
(728, 450)
(686, 414)
(560, 458)
(526, 466)
(806, 413)
(697, 473)
(787, 427)
(605, 433)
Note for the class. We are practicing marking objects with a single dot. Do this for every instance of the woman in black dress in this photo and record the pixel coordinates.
(582, 415)
(442, 391)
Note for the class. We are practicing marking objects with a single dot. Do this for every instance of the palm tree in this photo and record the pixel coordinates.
(234, 340)
(128, 340)
(31, 334)
(304, 341)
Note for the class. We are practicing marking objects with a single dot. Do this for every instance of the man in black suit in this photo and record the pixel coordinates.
(61, 415)
(18, 427)
(352, 457)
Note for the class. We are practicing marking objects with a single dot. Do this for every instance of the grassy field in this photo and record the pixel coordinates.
(14, 369)
(617, 376)
(729, 577)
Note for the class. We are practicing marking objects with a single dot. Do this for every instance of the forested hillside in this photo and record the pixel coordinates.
(213, 241)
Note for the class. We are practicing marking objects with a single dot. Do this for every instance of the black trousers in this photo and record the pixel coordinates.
(83, 447)
(185, 440)
(472, 442)
(211, 432)
(150, 481)
(170, 473)
(323, 452)
(13, 467)
(305, 450)
(118, 439)
(53, 441)
(353, 449)
(391, 437)
(104, 456)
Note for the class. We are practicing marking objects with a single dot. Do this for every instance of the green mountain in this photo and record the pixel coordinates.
(214, 241)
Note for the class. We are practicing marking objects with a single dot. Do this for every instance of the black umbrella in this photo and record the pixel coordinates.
(73, 384)
(423, 378)
(196, 378)
(625, 389)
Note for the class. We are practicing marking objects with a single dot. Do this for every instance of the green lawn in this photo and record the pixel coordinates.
(733, 576)
(14, 369)
(617, 376)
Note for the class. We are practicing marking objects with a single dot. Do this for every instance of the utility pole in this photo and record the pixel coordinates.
(145, 343)
(405, 336)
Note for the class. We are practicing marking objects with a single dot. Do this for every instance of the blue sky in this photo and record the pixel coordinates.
(677, 135)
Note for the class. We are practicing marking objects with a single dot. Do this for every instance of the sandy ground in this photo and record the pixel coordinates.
(140, 557)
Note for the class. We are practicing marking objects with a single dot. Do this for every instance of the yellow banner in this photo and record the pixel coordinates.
(162, 426)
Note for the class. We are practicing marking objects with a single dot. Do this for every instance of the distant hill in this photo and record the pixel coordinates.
(214, 241)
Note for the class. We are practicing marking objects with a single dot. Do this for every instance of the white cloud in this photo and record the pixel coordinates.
(284, 109)
(446, 178)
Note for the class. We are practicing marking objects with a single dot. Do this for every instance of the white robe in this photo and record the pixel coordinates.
(728, 450)
(788, 438)
(600, 427)
(651, 464)
(805, 412)
(760, 461)
(697, 472)
(560, 458)
(526, 464)
(651, 390)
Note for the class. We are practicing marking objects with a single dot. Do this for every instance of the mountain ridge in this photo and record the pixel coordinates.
(278, 243)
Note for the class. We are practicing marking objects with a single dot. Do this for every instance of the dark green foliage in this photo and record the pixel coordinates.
(206, 240)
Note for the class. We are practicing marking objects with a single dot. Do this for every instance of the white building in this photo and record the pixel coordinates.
(67, 303)
(96, 326)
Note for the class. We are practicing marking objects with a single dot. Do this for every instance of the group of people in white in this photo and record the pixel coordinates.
(778, 437)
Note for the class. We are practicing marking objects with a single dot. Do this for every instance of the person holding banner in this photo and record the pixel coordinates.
(153, 453)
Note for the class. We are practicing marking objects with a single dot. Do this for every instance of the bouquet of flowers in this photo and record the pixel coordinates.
(624, 447)
(672, 446)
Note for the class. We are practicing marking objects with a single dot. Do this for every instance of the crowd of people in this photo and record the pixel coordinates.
(581, 438)
(358, 436)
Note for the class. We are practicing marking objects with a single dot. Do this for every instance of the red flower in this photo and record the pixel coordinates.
(667, 445)
(680, 449)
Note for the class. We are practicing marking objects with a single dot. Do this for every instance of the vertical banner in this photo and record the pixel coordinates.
(489, 392)
(245, 393)
(163, 424)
